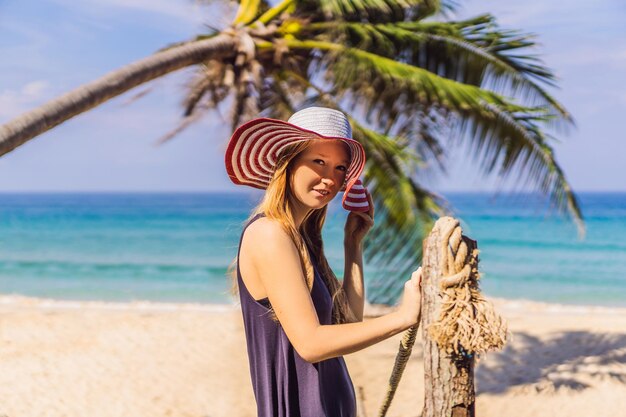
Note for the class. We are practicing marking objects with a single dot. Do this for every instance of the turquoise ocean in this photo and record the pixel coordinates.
(177, 247)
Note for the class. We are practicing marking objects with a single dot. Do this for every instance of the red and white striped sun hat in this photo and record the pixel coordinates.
(254, 148)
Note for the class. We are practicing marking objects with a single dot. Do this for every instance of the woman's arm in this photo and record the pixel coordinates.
(353, 278)
(357, 226)
(334, 340)
(276, 260)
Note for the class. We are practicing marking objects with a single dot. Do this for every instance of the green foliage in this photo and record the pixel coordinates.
(472, 52)
(404, 210)
(416, 84)
(370, 10)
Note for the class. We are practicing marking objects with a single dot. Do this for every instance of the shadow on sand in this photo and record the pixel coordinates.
(569, 360)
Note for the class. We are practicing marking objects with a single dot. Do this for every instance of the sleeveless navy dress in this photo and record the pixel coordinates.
(284, 384)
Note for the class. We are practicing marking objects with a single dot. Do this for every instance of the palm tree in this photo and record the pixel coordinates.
(413, 81)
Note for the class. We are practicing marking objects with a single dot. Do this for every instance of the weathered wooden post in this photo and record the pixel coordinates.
(457, 322)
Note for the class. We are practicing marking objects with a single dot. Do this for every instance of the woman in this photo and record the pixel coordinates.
(299, 319)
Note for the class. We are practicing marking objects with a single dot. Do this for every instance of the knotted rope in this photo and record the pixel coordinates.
(468, 323)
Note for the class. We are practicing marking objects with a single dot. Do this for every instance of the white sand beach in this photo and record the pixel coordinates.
(183, 360)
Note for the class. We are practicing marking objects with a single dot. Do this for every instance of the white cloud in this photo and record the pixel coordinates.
(35, 89)
(14, 102)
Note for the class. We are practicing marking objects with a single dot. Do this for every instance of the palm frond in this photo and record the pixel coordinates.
(517, 144)
(182, 125)
(371, 10)
(213, 83)
(249, 10)
(277, 101)
(247, 93)
(379, 83)
(368, 75)
(472, 52)
(405, 212)
(422, 130)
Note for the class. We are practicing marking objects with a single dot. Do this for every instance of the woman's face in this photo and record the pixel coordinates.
(318, 173)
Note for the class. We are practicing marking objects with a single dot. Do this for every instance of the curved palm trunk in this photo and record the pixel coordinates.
(28, 125)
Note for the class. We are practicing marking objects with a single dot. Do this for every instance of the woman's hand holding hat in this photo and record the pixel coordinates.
(359, 221)
(355, 197)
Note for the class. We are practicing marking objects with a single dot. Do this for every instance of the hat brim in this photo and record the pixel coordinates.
(255, 146)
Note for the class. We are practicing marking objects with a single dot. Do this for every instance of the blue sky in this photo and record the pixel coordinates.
(51, 46)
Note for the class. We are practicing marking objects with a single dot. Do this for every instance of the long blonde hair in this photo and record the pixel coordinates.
(276, 205)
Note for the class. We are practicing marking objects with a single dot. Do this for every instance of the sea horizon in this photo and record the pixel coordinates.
(177, 246)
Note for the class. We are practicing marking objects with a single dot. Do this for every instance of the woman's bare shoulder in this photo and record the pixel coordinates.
(267, 237)
(271, 255)
(264, 228)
